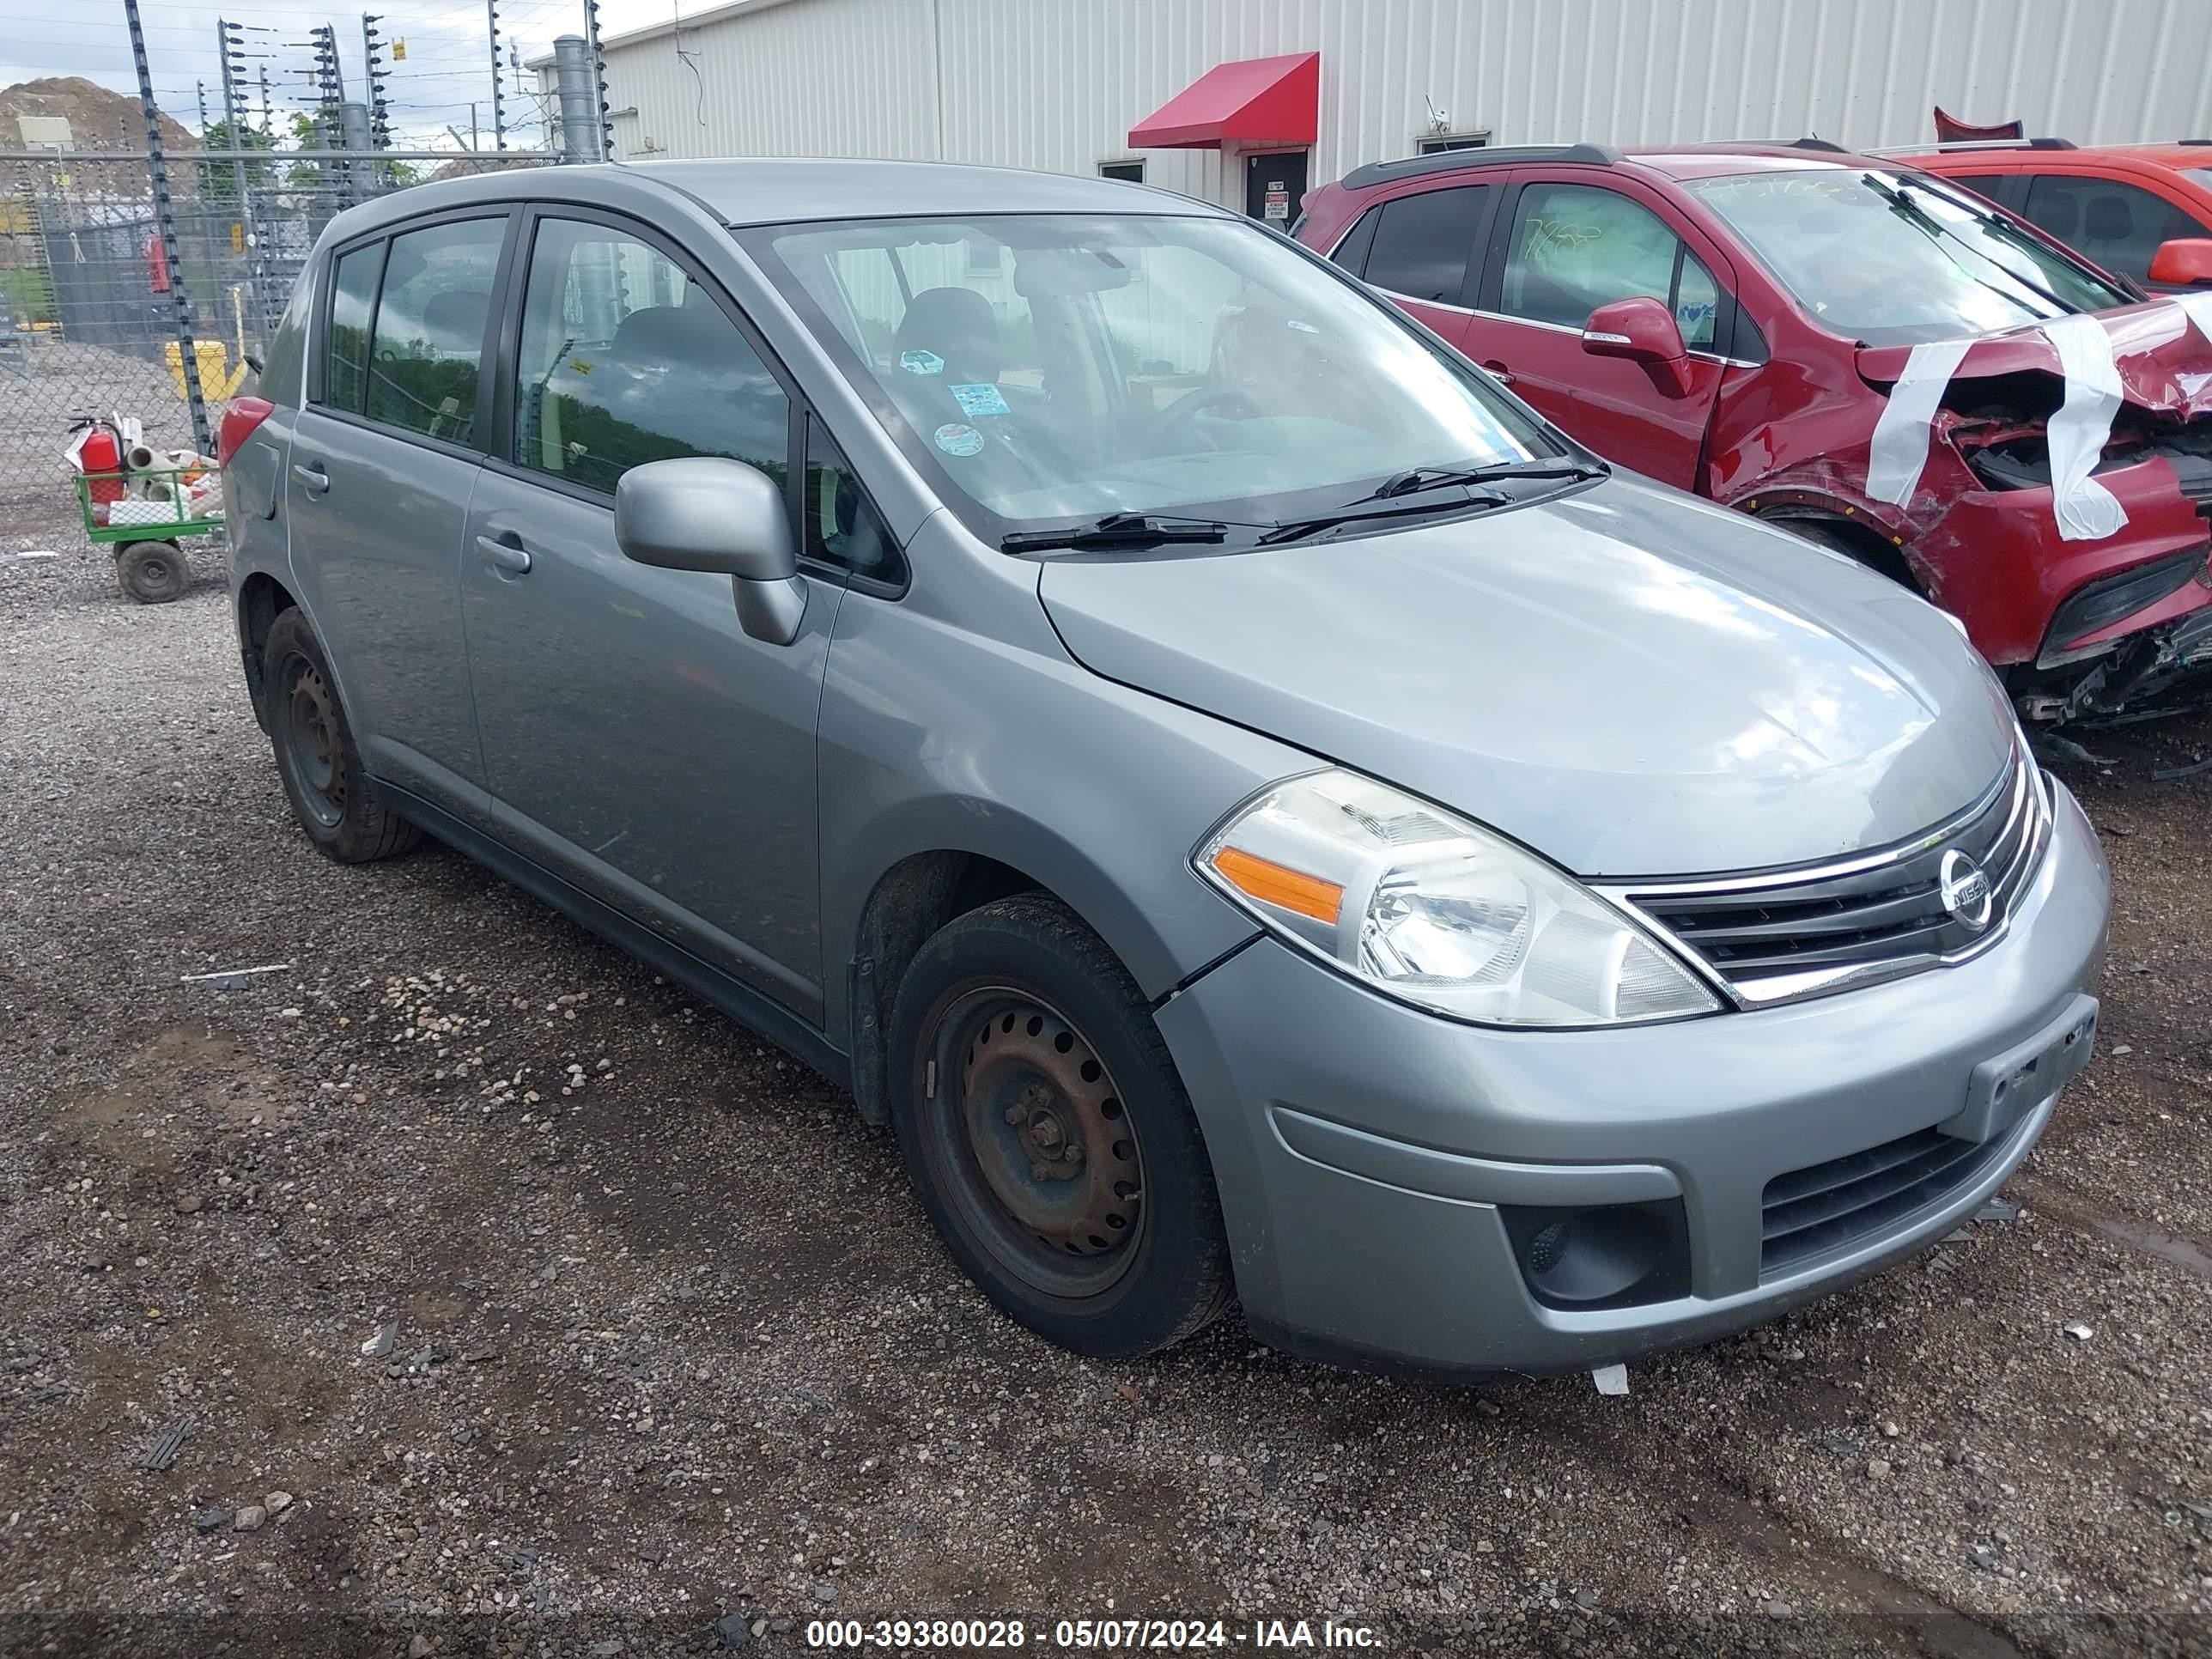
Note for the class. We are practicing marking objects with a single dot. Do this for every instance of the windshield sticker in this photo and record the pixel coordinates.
(955, 438)
(1900, 449)
(1303, 328)
(2087, 511)
(980, 399)
(921, 362)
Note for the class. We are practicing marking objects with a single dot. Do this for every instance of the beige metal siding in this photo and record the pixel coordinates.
(1058, 83)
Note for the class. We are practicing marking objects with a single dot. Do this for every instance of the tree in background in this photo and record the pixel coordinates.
(219, 179)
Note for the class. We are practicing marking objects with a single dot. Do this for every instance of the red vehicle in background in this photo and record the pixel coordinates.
(2141, 211)
(1872, 355)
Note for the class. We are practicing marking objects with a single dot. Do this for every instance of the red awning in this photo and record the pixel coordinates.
(1259, 100)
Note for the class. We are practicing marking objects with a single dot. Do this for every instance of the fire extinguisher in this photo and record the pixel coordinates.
(96, 447)
(157, 263)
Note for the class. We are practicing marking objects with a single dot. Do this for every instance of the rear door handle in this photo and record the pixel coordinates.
(1499, 372)
(508, 556)
(313, 477)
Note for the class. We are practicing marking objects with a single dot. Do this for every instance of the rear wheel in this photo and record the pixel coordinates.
(315, 753)
(1044, 1126)
(152, 573)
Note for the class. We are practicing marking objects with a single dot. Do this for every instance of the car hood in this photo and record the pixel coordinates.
(1629, 681)
(2164, 361)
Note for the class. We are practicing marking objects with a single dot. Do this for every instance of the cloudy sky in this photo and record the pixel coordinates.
(446, 68)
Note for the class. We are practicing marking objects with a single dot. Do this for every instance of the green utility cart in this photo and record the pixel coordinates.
(145, 528)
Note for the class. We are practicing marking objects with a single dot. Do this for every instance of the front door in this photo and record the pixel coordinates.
(383, 463)
(637, 740)
(1570, 248)
(1275, 185)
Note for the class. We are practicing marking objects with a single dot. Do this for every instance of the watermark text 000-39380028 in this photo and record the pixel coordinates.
(1081, 1635)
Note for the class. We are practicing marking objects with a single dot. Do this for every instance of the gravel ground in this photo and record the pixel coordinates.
(519, 1305)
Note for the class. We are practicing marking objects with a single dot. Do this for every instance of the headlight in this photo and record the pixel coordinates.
(1422, 904)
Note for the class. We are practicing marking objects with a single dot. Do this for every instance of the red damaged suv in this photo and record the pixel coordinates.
(1882, 359)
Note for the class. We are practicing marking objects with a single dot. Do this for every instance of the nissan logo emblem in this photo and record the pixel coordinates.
(1965, 889)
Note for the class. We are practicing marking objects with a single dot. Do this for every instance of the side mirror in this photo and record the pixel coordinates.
(704, 512)
(1642, 331)
(2183, 264)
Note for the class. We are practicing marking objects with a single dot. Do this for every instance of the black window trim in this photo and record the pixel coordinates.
(506, 358)
(1490, 296)
(319, 360)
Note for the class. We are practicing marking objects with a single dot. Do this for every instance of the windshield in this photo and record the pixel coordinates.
(1895, 258)
(1047, 371)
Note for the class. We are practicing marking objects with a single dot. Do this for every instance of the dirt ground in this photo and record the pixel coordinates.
(678, 1366)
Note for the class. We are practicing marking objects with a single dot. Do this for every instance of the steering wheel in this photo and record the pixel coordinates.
(1174, 421)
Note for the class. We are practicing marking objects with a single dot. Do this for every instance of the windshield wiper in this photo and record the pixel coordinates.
(1437, 478)
(1899, 198)
(1118, 530)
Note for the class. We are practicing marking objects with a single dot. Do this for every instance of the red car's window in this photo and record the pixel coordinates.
(2119, 225)
(1422, 243)
(1576, 247)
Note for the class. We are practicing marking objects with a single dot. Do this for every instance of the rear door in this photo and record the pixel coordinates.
(384, 459)
(1418, 247)
(639, 742)
(1559, 249)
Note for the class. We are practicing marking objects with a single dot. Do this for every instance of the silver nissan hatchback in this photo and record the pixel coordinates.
(1261, 814)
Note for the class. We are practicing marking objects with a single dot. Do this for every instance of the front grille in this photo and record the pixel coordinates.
(1783, 935)
(1811, 1212)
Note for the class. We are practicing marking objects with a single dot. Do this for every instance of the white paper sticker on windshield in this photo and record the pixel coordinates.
(2078, 432)
(1900, 449)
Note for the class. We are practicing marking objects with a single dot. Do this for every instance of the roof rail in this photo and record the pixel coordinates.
(1486, 155)
(1973, 143)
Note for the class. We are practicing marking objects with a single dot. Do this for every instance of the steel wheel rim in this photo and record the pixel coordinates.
(311, 744)
(1029, 1127)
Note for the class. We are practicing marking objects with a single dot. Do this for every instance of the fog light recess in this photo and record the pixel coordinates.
(1611, 1255)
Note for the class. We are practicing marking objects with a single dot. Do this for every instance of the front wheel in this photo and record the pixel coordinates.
(1044, 1126)
(152, 573)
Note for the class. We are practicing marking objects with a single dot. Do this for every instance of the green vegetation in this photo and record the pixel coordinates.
(30, 295)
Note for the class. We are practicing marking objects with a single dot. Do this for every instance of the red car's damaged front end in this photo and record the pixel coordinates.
(2047, 480)
(2083, 624)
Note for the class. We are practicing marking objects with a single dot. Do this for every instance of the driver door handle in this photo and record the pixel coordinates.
(1499, 372)
(507, 555)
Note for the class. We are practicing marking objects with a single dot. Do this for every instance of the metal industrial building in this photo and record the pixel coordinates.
(1175, 91)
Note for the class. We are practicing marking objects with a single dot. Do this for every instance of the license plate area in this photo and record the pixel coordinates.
(2006, 1087)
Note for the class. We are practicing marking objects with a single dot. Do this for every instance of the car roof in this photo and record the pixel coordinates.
(1673, 162)
(782, 190)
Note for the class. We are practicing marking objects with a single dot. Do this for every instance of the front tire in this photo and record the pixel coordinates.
(1043, 1124)
(316, 757)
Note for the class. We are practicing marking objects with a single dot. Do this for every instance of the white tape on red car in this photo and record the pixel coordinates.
(1900, 450)
(2078, 432)
(2197, 307)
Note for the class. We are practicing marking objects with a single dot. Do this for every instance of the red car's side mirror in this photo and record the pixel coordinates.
(2183, 264)
(1643, 331)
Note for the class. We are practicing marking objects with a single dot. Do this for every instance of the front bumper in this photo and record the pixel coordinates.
(1363, 1149)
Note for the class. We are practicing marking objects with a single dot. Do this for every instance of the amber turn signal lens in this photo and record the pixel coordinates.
(1279, 885)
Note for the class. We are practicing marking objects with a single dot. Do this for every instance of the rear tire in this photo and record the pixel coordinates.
(316, 757)
(1050, 1140)
(152, 573)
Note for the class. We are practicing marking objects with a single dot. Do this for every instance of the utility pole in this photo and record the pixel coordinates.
(226, 35)
(498, 108)
(268, 114)
(599, 78)
(157, 167)
(200, 87)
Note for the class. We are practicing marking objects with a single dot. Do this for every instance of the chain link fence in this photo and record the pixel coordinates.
(90, 322)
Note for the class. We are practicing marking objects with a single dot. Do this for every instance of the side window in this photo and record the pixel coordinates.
(1422, 243)
(353, 298)
(1576, 247)
(1352, 252)
(1989, 186)
(430, 319)
(625, 360)
(2118, 225)
(842, 525)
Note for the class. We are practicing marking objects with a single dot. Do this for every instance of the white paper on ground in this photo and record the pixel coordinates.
(1900, 449)
(1611, 1379)
(2079, 431)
